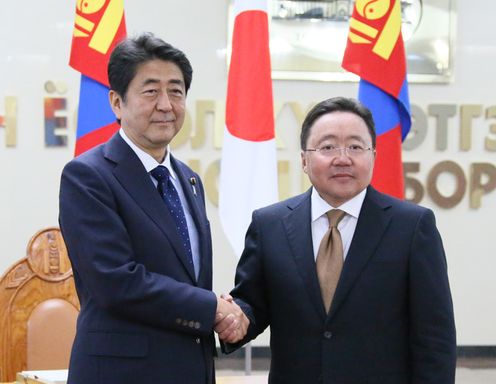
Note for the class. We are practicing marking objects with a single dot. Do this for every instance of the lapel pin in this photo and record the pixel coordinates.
(192, 181)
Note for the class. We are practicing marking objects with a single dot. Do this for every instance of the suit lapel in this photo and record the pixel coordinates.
(299, 232)
(372, 222)
(129, 171)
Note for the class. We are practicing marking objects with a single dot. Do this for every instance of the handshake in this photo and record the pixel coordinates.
(231, 323)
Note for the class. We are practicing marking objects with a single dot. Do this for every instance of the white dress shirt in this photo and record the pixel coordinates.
(347, 226)
(150, 163)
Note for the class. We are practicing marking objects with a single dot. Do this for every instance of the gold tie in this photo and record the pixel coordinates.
(330, 258)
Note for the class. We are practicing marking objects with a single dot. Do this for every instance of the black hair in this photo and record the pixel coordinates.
(131, 52)
(335, 104)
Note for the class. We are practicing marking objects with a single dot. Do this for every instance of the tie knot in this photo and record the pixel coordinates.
(160, 173)
(335, 216)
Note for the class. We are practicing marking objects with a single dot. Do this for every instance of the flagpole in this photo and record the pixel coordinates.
(248, 361)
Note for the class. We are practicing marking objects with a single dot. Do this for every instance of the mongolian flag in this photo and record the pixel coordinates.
(99, 26)
(376, 53)
(248, 174)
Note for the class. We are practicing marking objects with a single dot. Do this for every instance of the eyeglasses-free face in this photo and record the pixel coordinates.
(153, 110)
(339, 158)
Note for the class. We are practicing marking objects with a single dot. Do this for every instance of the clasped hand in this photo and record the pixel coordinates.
(230, 322)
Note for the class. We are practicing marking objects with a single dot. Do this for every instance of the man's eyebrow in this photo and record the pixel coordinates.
(356, 137)
(150, 81)
(156, 81)
(351, 137)
(327, 137)
(177, 81)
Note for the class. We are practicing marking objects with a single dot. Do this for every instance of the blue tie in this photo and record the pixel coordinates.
(171, 198)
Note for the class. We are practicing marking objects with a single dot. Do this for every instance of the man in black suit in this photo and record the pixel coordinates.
(133, 218)
(381, 311)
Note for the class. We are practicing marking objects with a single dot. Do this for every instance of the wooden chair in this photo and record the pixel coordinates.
(38, 308)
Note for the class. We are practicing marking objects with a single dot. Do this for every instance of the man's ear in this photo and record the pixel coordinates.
(115, 103)
(303, 161)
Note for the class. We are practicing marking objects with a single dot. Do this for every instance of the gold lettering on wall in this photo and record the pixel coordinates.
(467, 113)
(219, 124)
(490, 144)
(460, 184)
(55, 112)
(283, 179)
(202, 134)
(305, 181)
(209, 118)
(9, 121)
(298, 112)
(194, 164)
(482, 181)
(414, 192)
(212, 181)
(442, 112)
(204, 110)
(184, 134)
(278, 108)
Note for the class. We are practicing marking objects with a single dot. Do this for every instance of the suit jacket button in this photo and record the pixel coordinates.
(178, 320)
(327, 334)
(197, 325)
(198, 341)
(191, 324)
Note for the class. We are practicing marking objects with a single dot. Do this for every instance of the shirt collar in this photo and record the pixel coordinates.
(146, 159)
(320, 207)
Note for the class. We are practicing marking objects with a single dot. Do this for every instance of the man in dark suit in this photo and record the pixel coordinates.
(133, 218)
(388, 317)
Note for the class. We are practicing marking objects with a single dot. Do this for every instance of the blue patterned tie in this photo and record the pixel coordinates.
(171, 198)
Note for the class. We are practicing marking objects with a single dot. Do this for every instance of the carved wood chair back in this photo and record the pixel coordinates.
(38, 308)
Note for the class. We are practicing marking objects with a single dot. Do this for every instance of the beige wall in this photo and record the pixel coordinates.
(34, 49)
